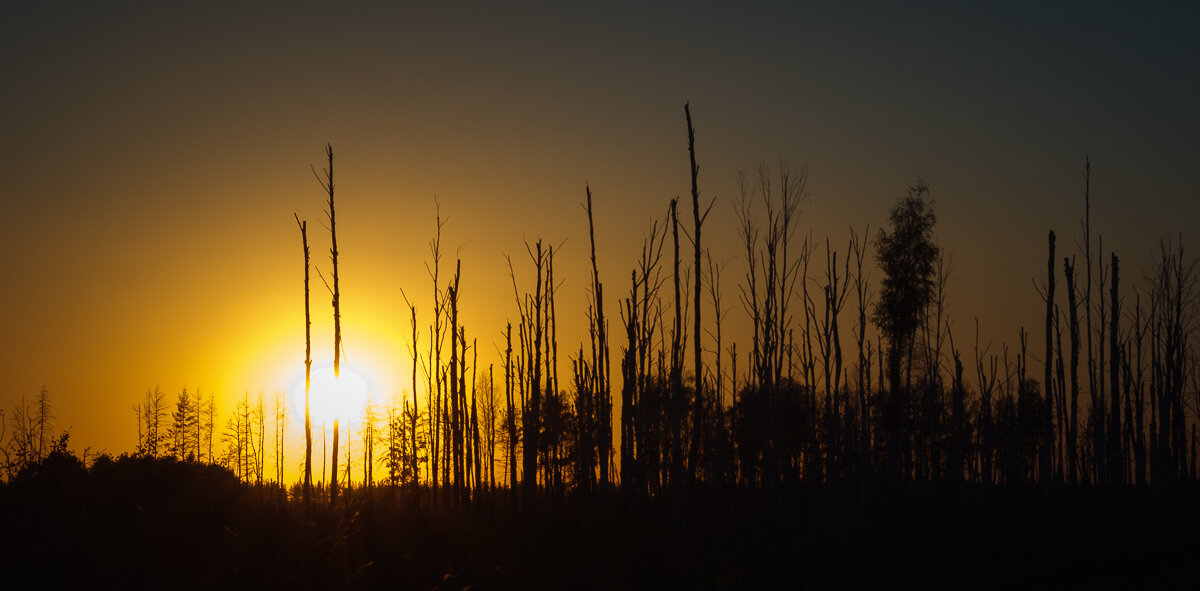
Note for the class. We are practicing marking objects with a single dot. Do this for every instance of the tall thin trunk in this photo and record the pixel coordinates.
(677, 394)
(1073, 428)
(603, 389)
(1139, 437)
(1087, 310)
(630, 380)
(464, 416)
(510, 416)
(455, 409)
(1044, 458)
(532, 412)
(413, 461)
(328, 185)
(474, 414)
(1114, 426)
(698, 419)
(491, 428)
(307, 368)
(436, 380)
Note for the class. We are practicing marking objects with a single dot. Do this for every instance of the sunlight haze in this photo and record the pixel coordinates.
(154, 156)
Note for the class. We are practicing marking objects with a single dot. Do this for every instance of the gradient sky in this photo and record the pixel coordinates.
(153, 155)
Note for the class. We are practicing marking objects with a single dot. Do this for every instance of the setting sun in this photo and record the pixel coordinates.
(341, 397)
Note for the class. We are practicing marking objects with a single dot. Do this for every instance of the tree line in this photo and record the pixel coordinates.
(847, 381)
(855, 382)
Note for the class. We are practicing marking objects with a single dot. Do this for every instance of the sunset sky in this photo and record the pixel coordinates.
(153, 156)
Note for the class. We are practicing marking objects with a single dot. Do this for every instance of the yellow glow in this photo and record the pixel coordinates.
(341, 398)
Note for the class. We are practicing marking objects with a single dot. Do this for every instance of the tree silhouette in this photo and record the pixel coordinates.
(906, 254)
(335, 291)
(697, 221)
(307, 367)
(882, 457)
(183, 424)
(602, 405)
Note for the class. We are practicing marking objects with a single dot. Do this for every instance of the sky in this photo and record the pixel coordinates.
(154, 154)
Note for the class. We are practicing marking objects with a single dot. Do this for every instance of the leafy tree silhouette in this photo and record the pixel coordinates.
(907, 256)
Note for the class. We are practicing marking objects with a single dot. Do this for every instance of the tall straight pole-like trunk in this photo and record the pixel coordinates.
(1115, 476)
(415, 475)
(552, 468)
(1044, 463)
(432, 405)
(552, 325)
(719, 464)
(1139, 436)
(603, 388)
(629, 379)
(1073, 427)
(474, 414)
(531, 415)
(491, 428)
(435, 360)
(464, 420)
(1095, 410)
(676, 398)
(510, 417)
(455, 419)
(327, 184)
(698, 419)
(307, 369)
(337, 321)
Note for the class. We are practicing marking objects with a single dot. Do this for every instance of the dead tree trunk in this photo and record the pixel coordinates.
(603, 402)
(1073, 427)
(1115, 476)
(474, 414)
(416, 477)
(510, 416)
(455, 409)
(676, 397)
(327, 184)
(436, 381)
(698, 418)
(531, 320)
(629, 378)
(1044, 458)
(307, 369)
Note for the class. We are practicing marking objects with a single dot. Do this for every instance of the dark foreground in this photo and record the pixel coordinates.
(145, 523)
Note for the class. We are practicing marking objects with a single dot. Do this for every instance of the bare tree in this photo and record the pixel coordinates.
(600, 355)
(1115, 476)
(1073, 327)
(370, 434)
(335, 291)
(510, 412)
(455, 392)
(435, 381)
(279, 432)
(413, 427)
(531, 313)
(153, 412)
(698, 418)
(307, 366)
(1044, 458)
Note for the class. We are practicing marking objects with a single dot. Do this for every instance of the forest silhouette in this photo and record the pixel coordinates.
(855, 440)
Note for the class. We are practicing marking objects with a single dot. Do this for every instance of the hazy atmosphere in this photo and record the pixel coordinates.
(615, 296)
(154, 156)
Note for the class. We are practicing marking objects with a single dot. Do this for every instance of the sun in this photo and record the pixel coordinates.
(341, 398)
